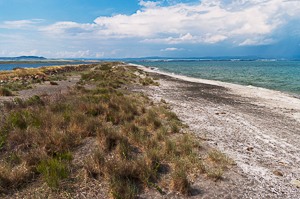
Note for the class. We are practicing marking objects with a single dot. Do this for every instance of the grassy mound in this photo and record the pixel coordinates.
(139, 145)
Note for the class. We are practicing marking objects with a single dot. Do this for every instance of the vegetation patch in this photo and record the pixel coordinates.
(140, 145)
(55, 169)
(5, 91)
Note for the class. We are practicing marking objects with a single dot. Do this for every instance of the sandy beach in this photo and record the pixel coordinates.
(258, 128)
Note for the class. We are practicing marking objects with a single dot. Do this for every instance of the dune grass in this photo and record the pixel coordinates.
(140, 144)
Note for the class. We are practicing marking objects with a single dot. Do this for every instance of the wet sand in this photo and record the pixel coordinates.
(258, 128)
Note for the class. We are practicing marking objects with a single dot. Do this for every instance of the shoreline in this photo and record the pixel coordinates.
(258, 128)
(268, 97)
(211, 81)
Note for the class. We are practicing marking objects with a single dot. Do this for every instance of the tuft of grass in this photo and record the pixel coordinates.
(162, 134)
(175, 127)
(123, 188)
(123, 178)
(3, 138)
(95, 164)
(170, 148)
(17, 86)
(108, 138)
(180, 181)
(186, 145)
(13, 176)
(54, 169)
(220, 158)
(124, 148)
(220, 162)
(23, 119)
(34, 100)
(148, 81)
(5, 91)
(215, 173)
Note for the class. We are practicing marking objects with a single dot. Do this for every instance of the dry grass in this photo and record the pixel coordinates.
(25, 78)
(217, 163)
(140, 144)
(180, 181)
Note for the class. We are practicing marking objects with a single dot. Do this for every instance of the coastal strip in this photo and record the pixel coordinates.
(258, 128)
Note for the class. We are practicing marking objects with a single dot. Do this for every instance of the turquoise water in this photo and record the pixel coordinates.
(276, 75)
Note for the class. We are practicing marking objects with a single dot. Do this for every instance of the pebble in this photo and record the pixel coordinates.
(250, 148)
(278, 173)
(296, 183)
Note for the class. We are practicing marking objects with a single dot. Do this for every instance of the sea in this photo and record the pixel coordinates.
(280, 75)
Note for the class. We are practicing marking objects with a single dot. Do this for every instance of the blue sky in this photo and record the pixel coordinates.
(137, 28)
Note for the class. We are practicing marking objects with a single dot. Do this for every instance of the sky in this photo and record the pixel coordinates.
(141, 28)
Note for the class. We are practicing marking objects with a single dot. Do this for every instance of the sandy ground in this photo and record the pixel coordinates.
(45, 88)
(42, 89)
(258, 128)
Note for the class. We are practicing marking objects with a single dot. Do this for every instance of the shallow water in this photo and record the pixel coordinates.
(276, 75)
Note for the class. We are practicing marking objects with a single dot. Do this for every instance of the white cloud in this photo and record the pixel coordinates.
(171, 49)
(256, 41)
(157, 25)
(203, 22)
(73, 54)
(20, 24)
(214, 38)
(188, 38)
(149, 4)
(33, 52)
(68, 28)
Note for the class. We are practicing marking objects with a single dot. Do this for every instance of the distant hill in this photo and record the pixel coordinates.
(22, 58)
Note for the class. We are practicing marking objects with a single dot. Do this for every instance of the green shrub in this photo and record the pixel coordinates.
(35, 100)
(2, 140)
(55, 169)
(22, 119)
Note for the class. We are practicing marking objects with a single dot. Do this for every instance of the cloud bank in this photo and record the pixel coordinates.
(239, 22)
(160, 27)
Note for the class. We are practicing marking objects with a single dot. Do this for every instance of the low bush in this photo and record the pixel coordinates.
(55, 169)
